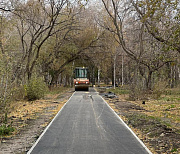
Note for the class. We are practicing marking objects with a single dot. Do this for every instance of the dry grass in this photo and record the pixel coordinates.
(166, 108)
(149, 120)
(167, 111)
(22, 111)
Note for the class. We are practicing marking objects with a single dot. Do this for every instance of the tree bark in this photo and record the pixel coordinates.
(149, 80)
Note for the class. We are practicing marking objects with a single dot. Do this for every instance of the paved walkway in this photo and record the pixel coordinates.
(87, 125)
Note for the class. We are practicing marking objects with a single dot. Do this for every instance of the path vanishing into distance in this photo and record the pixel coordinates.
(87, 125)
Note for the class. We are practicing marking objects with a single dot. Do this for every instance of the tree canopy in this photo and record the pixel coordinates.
(135, 41)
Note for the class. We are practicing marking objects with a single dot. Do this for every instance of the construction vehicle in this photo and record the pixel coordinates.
(81, 79)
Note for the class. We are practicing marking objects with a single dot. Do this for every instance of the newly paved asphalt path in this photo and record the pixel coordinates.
(87, 125)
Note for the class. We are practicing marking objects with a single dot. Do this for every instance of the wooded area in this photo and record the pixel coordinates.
(126, 42)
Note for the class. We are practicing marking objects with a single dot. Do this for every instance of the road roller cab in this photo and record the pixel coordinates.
(81, 79)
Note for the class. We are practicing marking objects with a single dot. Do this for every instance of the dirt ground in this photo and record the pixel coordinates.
(30, 119)
(155, 134)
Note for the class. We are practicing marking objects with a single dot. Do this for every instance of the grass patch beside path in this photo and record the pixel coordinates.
(166, 108)
(30, 118)
(6, 130)
(156, 121)
(21, 112)
(167, 111)
(154, 132)
(118, 90)
(57, 90)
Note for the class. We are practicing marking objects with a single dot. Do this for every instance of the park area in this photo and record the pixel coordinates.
(129, 49)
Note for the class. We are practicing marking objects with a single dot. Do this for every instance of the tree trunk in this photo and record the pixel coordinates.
(29, 74)
(149, 80)
(54, 79)
(98, 77)
(112, 74)
(122, 71)
(93, 77)
(114, 71)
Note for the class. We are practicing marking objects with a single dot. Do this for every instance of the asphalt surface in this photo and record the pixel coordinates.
(87, 125)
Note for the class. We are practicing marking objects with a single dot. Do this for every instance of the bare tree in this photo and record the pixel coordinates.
(161, 20)
(120, 15)
(72, 44)
(36, 22)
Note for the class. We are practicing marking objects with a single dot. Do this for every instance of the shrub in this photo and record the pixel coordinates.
(6, 129)
(158, 89)
(18, 93)
(35, 89)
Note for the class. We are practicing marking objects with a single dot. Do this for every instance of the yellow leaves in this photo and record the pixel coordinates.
(141, 3)
(151, 8)
(168, 107)
(24, 110)
(162, 109)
